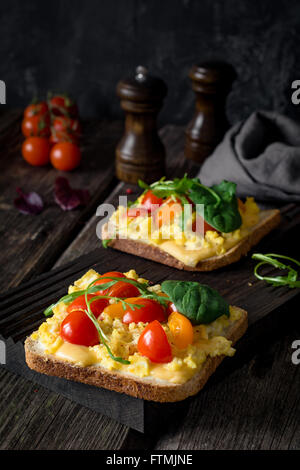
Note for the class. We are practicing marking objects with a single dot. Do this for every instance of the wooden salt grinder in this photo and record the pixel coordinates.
(211, 83)
(140, 154)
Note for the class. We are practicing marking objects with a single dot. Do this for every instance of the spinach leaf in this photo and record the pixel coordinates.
(220, 204)
(198, 302)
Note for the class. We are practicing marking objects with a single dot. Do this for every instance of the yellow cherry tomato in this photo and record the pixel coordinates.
(181, 329)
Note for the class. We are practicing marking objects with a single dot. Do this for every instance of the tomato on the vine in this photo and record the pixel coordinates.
(153, 343)
(67, 125)
(35, 151)
(62, 105)
(36, 109)
(37, 125)
(78, 328)
(65, 156)
(97, 306)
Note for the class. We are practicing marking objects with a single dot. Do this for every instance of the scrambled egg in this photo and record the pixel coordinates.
(209, 340)
(185, 245)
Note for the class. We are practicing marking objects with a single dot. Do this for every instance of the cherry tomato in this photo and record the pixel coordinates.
(153, 343)
(57, 137)
(123, 290)
(105, 281)
(97, 306)
(35, 151)
(36, 126)
(150, 199)
(36, 109)
(196, 226)
(119, 289)
(62, 105)
(150, 310)
(165, 215)
(78, 328)
(181, 329)
(171, 308)
(67, 125)
(65, 156)
(137, 212)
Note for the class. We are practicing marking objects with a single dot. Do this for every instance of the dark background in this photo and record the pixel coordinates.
(85, 47)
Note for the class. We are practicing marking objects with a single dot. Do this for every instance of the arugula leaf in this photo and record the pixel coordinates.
(220, 204)
(198, 302)
(166, 188)
(290, 280)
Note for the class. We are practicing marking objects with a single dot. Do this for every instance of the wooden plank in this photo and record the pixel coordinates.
(255, 407)
(31, 244)
(31, 417)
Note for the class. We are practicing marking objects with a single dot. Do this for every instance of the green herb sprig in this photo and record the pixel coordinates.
(290, 280)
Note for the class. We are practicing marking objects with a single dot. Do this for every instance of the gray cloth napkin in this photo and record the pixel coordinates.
(261, 155)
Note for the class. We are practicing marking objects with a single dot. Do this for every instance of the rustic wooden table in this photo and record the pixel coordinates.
(253, 405)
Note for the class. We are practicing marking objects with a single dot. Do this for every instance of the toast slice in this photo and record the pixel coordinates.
(146, 388)
(269, 219)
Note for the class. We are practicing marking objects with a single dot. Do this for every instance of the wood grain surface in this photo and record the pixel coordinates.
(252, 401)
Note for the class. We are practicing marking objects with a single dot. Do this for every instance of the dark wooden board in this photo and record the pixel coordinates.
(31, 244)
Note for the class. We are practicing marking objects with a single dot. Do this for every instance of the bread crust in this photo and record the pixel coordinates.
(147, 389)
(270, 220)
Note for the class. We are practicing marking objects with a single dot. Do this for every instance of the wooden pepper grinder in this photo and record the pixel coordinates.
(211, 82)
(140, 154)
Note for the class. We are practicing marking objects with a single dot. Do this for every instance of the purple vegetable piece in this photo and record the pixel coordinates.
(68, 198)
(30, 203)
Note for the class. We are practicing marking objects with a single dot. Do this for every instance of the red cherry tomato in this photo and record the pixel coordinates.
(65, 156)
(165, 215)
(105, 281)
(65, 124)
(78, 328)
(150, 199)
(97, 306)
(150, 311)
(36, 109)
(206, 226)
(61, 105)
(36, 125)
(57, 137)
(153, 343)
(171, 308)
(35, 151)
(120, 289)
(137, 212)
(123, 290)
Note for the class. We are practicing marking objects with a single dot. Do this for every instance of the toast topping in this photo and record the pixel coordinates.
(186, 219)
(171, 348)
